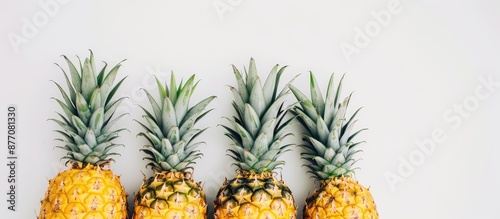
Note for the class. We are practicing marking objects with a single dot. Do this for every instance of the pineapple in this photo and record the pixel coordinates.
(88, 188)
(257, 132)
(169, 129)
(329, 151)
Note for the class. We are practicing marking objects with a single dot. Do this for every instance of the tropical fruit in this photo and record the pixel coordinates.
(88, 189)
(257, 132)
(329, 150)
(170, 131)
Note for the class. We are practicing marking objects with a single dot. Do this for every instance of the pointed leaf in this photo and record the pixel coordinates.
(318, 146)
(272, 111)
(339, 118)
(101, 146)
(89, 82)
(81, 128)
(67, 136)
(84, 149)
(108, 81)
(285, 88)
(168, 117)
(154, 127)
(329, 154)
(316, 96)
(107, 126)
(155, 153)
(108, 148)
(153, 139)
(67, 100)
(270, 155)
(252, 76)
(272, 166)
(179, 147)
(306, 104)
(320, 162)
(233, 135)
(66, 109)
(251, 120)
(173, 135)
(77, 156)
(166, 147)
(110, 109)
(191, 134)
(333, 141)
(173, 89)
(113, 91)
(339, 159)
(182, 103)
(77, 139)
(322, 130)
(355, 134)
(95, 100)
(72, 93)
(173, 159)
(347, 132)
(351, 120)
(246, 138)
(330, 104)
(197, 109)
(97, 121)
(109, 136)
(156, 108)
(242, 89)
(91, 61)
(268, 129)
(306, 122)
(166, 166)
(90, 138)
(257, 98)
(82, 108)
(250, 159)
(261, 166)
(338, 93)
(100, 76)
(237, 101)
(283, 129)
(161, 89)
(260, 145)
(270, 86)
(64, 125)
(75, 76)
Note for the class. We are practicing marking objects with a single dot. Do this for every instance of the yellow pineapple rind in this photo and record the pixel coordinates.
(170, 195)
(88, 192)
(254, 196)
(340, 198)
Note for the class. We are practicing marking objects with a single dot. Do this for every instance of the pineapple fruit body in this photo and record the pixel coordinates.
(340, 198)
(88, 192)
(255, 196)
(170, 195)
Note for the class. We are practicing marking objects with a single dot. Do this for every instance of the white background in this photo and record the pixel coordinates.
(411, 76)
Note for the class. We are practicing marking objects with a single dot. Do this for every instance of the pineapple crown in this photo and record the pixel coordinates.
(259, 126)
(329, 147)
(170, 126)
(88, 112)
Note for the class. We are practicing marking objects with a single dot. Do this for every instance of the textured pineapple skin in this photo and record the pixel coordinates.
(340, 198)
(170, 195)
(254, 196)
(89, 192)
